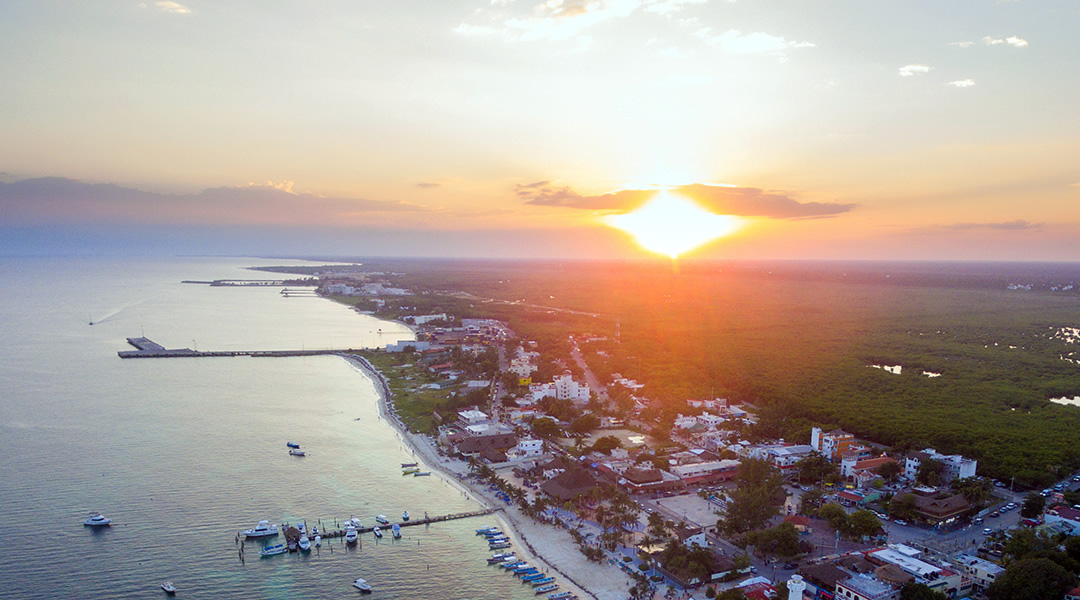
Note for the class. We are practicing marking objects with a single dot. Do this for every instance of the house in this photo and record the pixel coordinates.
(526, 449)
(781, 456)
(835, 443)
(1073, 594)
(685, 422)
(861, 471)
(475, 445)
(865, 587)
(472, 417)
(571, 483)
(1064, 519)
(801, 523)
(982, 572)
(956, 466)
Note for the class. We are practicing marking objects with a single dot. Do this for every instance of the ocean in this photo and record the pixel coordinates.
(183, 453)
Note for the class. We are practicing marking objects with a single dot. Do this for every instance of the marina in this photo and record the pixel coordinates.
(264, 527)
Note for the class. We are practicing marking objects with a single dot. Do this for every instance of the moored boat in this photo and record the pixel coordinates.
(97, 520)
(350, 535)
(405, 516)
(531, 577)
(304, 543)
(499, 557)
(421, 474)
(396, 529)
(412, 464)
(382, 520)
(410, 470)
(295, 452)
(318, 541)
(551, 587)
(273, 550)
(377, 531)
(542, 581)
(168, 588)
(498, 546)
(292, 444)
(484, 530)
(560, 596)
(263, 529)
(362, 585)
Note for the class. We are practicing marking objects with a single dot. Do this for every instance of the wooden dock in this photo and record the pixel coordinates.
(336, 533)
(146, 348)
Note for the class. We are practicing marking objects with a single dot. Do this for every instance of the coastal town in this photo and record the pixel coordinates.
(692, 499)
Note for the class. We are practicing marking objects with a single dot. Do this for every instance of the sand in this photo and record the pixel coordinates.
(548, 548)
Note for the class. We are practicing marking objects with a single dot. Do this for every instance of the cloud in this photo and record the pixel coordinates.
(736, 42)
(961, 44)
(962, 83)
(60, 200)
(565, 19)
(427, 185)
(909, 70)
(726, 200)
(173, 8)
(667, 7)
(1017, 225)
(1013, 41)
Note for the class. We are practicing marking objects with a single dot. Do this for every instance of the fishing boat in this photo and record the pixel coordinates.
(304, 543)
(560, 596)
(382, 520)
(412, 464)
(551, 587)
(301, 527)
(350, 535)
(499, 546)
(531, 577)
(293, 545)
(422, 474)
(273, 550)
(410, 470)
(168, 588)
(377, 531)
(396, 529)
(362, 585)
(318, 541)
(499, 557)
(544, 580)
(97, 520)
(405, 516)
(263, 529)
(514, 564)
(292, 444)
(518, 570)
(484, 530)
(493, 532)
(295, 452)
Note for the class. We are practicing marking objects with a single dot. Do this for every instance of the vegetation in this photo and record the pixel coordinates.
(1032, 579)
(1033, 506)
(754, 500)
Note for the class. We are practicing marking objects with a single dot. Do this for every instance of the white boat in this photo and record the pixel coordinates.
(273, 550)
(263, 529)
(350, 535)
(305, 543)
(295, 452)
(362, 585)
(377, 531)
(488, 529)
(405, 516)
(300, 527)
(97, 520)
(382, 520)
(397, 531)
(169, 588)
(318, 541)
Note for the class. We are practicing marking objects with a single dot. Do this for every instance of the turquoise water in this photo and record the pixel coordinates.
(183, 453)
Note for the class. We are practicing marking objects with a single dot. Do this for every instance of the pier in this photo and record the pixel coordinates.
(336, 533)
(146, 348)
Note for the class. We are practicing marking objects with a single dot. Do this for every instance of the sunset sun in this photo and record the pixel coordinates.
(671, 225)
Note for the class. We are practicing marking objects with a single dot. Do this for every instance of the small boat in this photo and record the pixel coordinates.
(542, 581)
(350, 535)
(273, 550)
(410, 470)
(263, 529)
(531, 577)
(404, 465)
(498, 546)
(514, 564)
(293, 545)
(382, 520)
(422, 474)
(525, 569)
(405, 516)
(315, 530)
(318, 541)
(377, 531)
(362, 585)
(97, 520)
(499, 557)
(295, 452)
(355, 523)
(168, 588)
(487, 529)
(551, 587)
(300, 527)
(292, 444)
(305, 544)
(560, 596)
(396, 529)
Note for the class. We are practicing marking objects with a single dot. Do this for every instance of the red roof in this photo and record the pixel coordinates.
(850, 496)
(797, 520)
(873, 463)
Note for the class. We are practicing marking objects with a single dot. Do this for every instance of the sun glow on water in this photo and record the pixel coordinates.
(671, 225)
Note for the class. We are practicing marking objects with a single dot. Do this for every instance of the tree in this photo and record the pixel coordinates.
(545, 428)
(782, 540)
(814, 467)
(731, 594)
(606, 444)
(975, 489)
(1033, 506)
(811, 501)
(1032, 579)
(657, 526)
(585, 424)
(903, 507)
(889, 471)
(863, 523)
(835, 515)
(931, 472)
(920, 591)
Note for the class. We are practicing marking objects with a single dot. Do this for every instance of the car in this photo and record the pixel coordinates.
(977, 521)
(900, 522)
(987, 531)
(999, 484)
(995, 514)
(790, 566)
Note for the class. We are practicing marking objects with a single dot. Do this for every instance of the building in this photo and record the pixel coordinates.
(478, 445)
(782, 456)
(835, 443)
(861, 471)
(562, 387)
(526, 449)
(1064, 519)
(719, 470)
(401, 345)
(422, 319)
(865, 587)
(982, 572)
(472, 417)
(956, 466)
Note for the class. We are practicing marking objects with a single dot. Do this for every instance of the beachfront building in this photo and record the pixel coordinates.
(339, 289)
(526, 449)
(956, 466)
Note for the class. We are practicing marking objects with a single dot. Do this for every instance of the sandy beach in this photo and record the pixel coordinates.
(544, 546)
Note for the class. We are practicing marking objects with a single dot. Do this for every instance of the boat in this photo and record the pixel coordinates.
(300, 527)
(305, 544)
(382, 520)
(499, 557)
(513, 565)
(560, 596)
(396, 529)
(97, 520)
(169, 588)
(293, 545)
(273, 550)
(405, 516)
(377, 531)
(318, 541)
(315, 530)
(542, 580)
(484, 530)
(499, 546)
(292, 444)
(493, 532)
(410, 470)
(527, 569)
(295, 452)
(354, 522)
(551, 587)
(350, 535)
(422, 474)
(405, 465)
(362, 585)
(531, 577)
(263, 529)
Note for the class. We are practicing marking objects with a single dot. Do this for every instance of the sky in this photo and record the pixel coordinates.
(921, 130)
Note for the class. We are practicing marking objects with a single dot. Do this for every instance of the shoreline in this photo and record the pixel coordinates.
(519, 527)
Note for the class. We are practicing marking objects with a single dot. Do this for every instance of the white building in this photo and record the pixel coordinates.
(562, 387)
(685, 422)
(526, 449)
(956, 466)
(709, 420)
(421, 319)
(522, 367)
(472, 417)
(400, 345)
(340, 289)
(982, 572)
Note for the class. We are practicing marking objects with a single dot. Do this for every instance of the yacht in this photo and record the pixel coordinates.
(362, 585)
(318, 541)
(273, 550)
(354, 522)
(377, 531)
(305, 544)
(382, 520)
(350, 535)
(397, 531)
(169, 588)
(97, 520)
(263, 529)
(405, 516)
